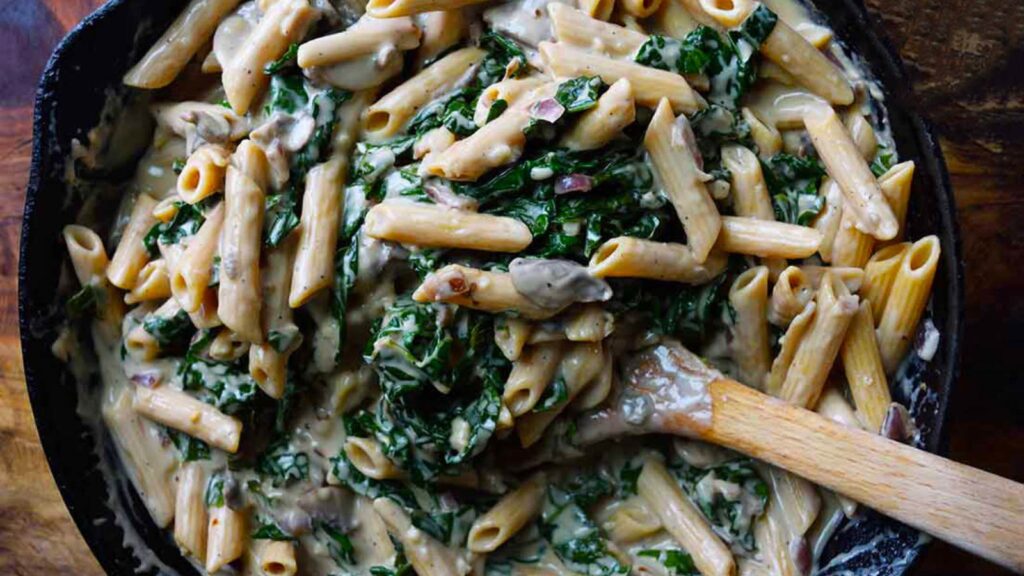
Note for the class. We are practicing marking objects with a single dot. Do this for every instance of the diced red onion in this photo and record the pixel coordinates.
(573, 183)
(146, 379)
(548, 110)
(682, 135)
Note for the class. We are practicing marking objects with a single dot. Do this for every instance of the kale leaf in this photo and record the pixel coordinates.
(793, 183)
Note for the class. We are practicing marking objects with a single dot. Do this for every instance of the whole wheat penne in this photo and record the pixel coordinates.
(385, 117)
(640, 8)
(599, 388)
(767, 239)
(896, 184)
(852, 277)
(432, 225)
(318, 231)
(480, 290)
(226, 537)
(790, 344)
(241, 240)
(183, 39)
(765, 136)
(510, 335)
(581, 364)
(151, 284)
(673, 160)
(277, 558)
(615, 110)
(907, 300)
(650, 85)
(749, 191)
(285, 22)
(588, 31)
(366, 455)
(187, 414)
(506, 518)
(828, 220)
(728, 13)
(268, 360)
(192, 274)
(366, 36)
(89, 260)
(834, 406)
(864, 371)
(203, 174)
(863, 135)
(750, 348)
(130, 255)
(630, 521)
(442, 29)
(845, 165)
(808, 65)
(627, 257)
(190, 510)
(790, 295)
(227, 346)
(589, 323)
(530, 376)
(427, 556)
(510, 91)
(683, 520)
(879, 274)
(394, 8)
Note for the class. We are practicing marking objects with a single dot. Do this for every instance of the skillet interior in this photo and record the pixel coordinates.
(72, 93)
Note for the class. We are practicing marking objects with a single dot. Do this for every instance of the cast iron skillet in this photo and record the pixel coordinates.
(92, 60)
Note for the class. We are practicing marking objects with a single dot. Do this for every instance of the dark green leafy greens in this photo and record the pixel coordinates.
(793, 183)
(82, 303)
(885, 159)
(190, 449)
(676, 562)
(574, 537)
(287, 59)
(731, 513)
(186, 222)
(169, 331)
(226, 385)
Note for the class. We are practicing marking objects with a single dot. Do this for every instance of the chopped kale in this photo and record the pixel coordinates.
(793, 183)
(186, 222)
(169, 332)
(190, 449)
(287, 93)
(283, 464)
(339, 546)
(676, 562)
(82, 303)
(555, 395)
(579, 94)
(267, 529)
(885, 159)
(286, 60)
(731, 512)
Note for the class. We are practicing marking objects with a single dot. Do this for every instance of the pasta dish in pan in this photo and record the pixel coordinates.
(379, 262)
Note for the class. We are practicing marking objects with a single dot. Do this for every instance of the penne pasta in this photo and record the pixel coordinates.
(865, 374)
(152, 283)
(178, 410)
(226, 537)
(879, 274)
(596, 127)
(750, 348)
(907, 300)
(506, 518)
(673, 160)
(203, 174)
(318, 231)
(828, 220)
(277, 558)
(640, 8)
(581, 364)
(627, 257)
(432, 225)
(480, 290)
(790, 344)
(182, 40)
(585, 30)
(530, 376)
(130, 255)
(427, 556)
(193, 272)
(728, 13)
(367, 36)
(190, 511)
(441, 30)
(395, 8)
(366, 455)
(767, 239)
(811, 68)
(895, 185)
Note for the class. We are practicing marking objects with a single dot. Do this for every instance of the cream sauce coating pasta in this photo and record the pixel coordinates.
(394, 434)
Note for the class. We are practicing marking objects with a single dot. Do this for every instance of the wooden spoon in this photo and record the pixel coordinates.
(667, 389)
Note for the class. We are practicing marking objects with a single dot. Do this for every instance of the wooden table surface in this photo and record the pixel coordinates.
(966, 61)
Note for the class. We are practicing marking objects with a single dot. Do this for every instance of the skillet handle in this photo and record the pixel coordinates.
(969, 508)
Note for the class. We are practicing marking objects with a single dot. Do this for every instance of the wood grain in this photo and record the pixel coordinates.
(965, 58)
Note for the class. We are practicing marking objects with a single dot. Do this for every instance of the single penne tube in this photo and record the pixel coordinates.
(879, 274)
(152, 283)
(631, 521)
(385, 117)
(190, 511)
(185, 413)
(510, 91)
(749, 191)
(241, 239)
(852, 277)
(907, 300)
(130, 255)
(226, 537)
(861, 193)
(436, 226)
(277, 558)
(834, 406)
(683, 520)
(192, 274)
(590, 32)
(203, 174)
(850, 246)
(728, 13)
(798, 500)
(139, 343)
(183, 39)
(511, 335)
(697, 12)
(628, 257)
(790, 344)
(89, 260)
(367, 456)
(206, 316)
(596, 127)
(767, 238)
(284, 23)
(366, 36)
(497, 143)
(589, 323)
(480, 290)
(896, 184)
(790, 295)
(268, 360)
(673, 160)
(318, 231)
(395, 8)
(650, 85)
(865, 374)
(530, 376)
(785, 47)
(442, 29)
(828, 220)
(427, 556)
(581, 364)
(148, 464)
(766, 137)
(750, 348)
(820, 346)
(640, 8)
(506, 518)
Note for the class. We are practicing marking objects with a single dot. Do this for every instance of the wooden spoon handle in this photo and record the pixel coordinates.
(975, 510)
